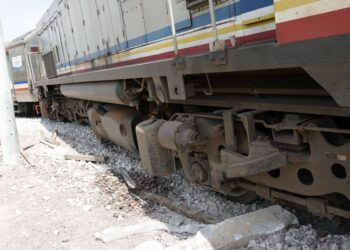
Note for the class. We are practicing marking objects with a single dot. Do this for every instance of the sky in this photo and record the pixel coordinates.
(20, 16)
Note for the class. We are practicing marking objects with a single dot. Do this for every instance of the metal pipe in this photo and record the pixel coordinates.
(213, 20)
(173, 28)
(8, 129)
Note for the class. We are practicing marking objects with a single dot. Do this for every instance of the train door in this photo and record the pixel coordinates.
(78, 30)
(255, 21)
(54, 46)
(182, 16)
(156, 19)
(65, 46)
(61, 46)
(92, 28)
(66, 27)
(105, 21)
(135, 28)
(117, 22)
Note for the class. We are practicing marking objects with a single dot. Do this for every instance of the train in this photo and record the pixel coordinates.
(24, 62)
(250, 98)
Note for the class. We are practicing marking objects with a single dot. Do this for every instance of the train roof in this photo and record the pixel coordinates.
(18, 41)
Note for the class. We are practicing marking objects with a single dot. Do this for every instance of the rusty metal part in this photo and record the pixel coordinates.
(66, 108)
(311, 162)
(242, 166)
(316, 206)
(44, 108)
(301, 128)
(323, 169)
(194, 140)
(167, 134)
(260, 155)
(230, 137)
(161, 89)
(199, 172)
(156, 160)
(176, 135)
(105, 92)
(115, 123)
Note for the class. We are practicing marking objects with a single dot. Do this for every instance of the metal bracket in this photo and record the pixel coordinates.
(161, 88)
(317, 206)
(243, 166)
(179, 63)
(230, 138)
(218, 55)
(264, 192)
(249, 125)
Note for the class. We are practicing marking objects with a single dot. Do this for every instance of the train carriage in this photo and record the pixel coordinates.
(24, 68)
(248, 97)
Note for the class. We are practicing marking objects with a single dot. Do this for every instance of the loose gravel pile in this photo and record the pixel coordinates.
(109, 191)
(302, 237)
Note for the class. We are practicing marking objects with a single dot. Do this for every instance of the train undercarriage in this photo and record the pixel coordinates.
(292, 157)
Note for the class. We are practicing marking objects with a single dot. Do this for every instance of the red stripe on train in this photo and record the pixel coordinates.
(21, 89)
(322, 25)
(259, 37)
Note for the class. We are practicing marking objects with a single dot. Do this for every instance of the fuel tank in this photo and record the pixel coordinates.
(116, 123)
(106, 92)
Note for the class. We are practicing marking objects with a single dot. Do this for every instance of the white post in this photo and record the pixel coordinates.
(8, 130)
(173, 28)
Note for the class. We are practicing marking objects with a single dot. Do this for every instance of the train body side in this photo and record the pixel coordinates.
(84, 36)
(135, 31)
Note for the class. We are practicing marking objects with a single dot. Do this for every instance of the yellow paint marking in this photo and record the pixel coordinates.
(289, 4)
(221, 31)
(259, 19)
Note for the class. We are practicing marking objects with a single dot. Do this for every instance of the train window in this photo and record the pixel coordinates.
(190, 4)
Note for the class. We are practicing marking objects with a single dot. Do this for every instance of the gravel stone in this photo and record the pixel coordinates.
(346, 245)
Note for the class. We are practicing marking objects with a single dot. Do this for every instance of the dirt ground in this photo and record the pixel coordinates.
(57, 204)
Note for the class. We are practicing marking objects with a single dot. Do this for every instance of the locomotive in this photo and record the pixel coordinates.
(249, 98)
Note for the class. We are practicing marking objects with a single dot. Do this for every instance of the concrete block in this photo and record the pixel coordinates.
(238, 231)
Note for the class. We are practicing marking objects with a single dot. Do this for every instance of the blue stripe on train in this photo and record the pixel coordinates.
(236, 9)
(20, 83)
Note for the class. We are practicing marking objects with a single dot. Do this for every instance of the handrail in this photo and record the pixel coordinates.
(213, 21)
(173, 28)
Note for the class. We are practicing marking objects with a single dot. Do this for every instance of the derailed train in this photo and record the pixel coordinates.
(248, 97)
